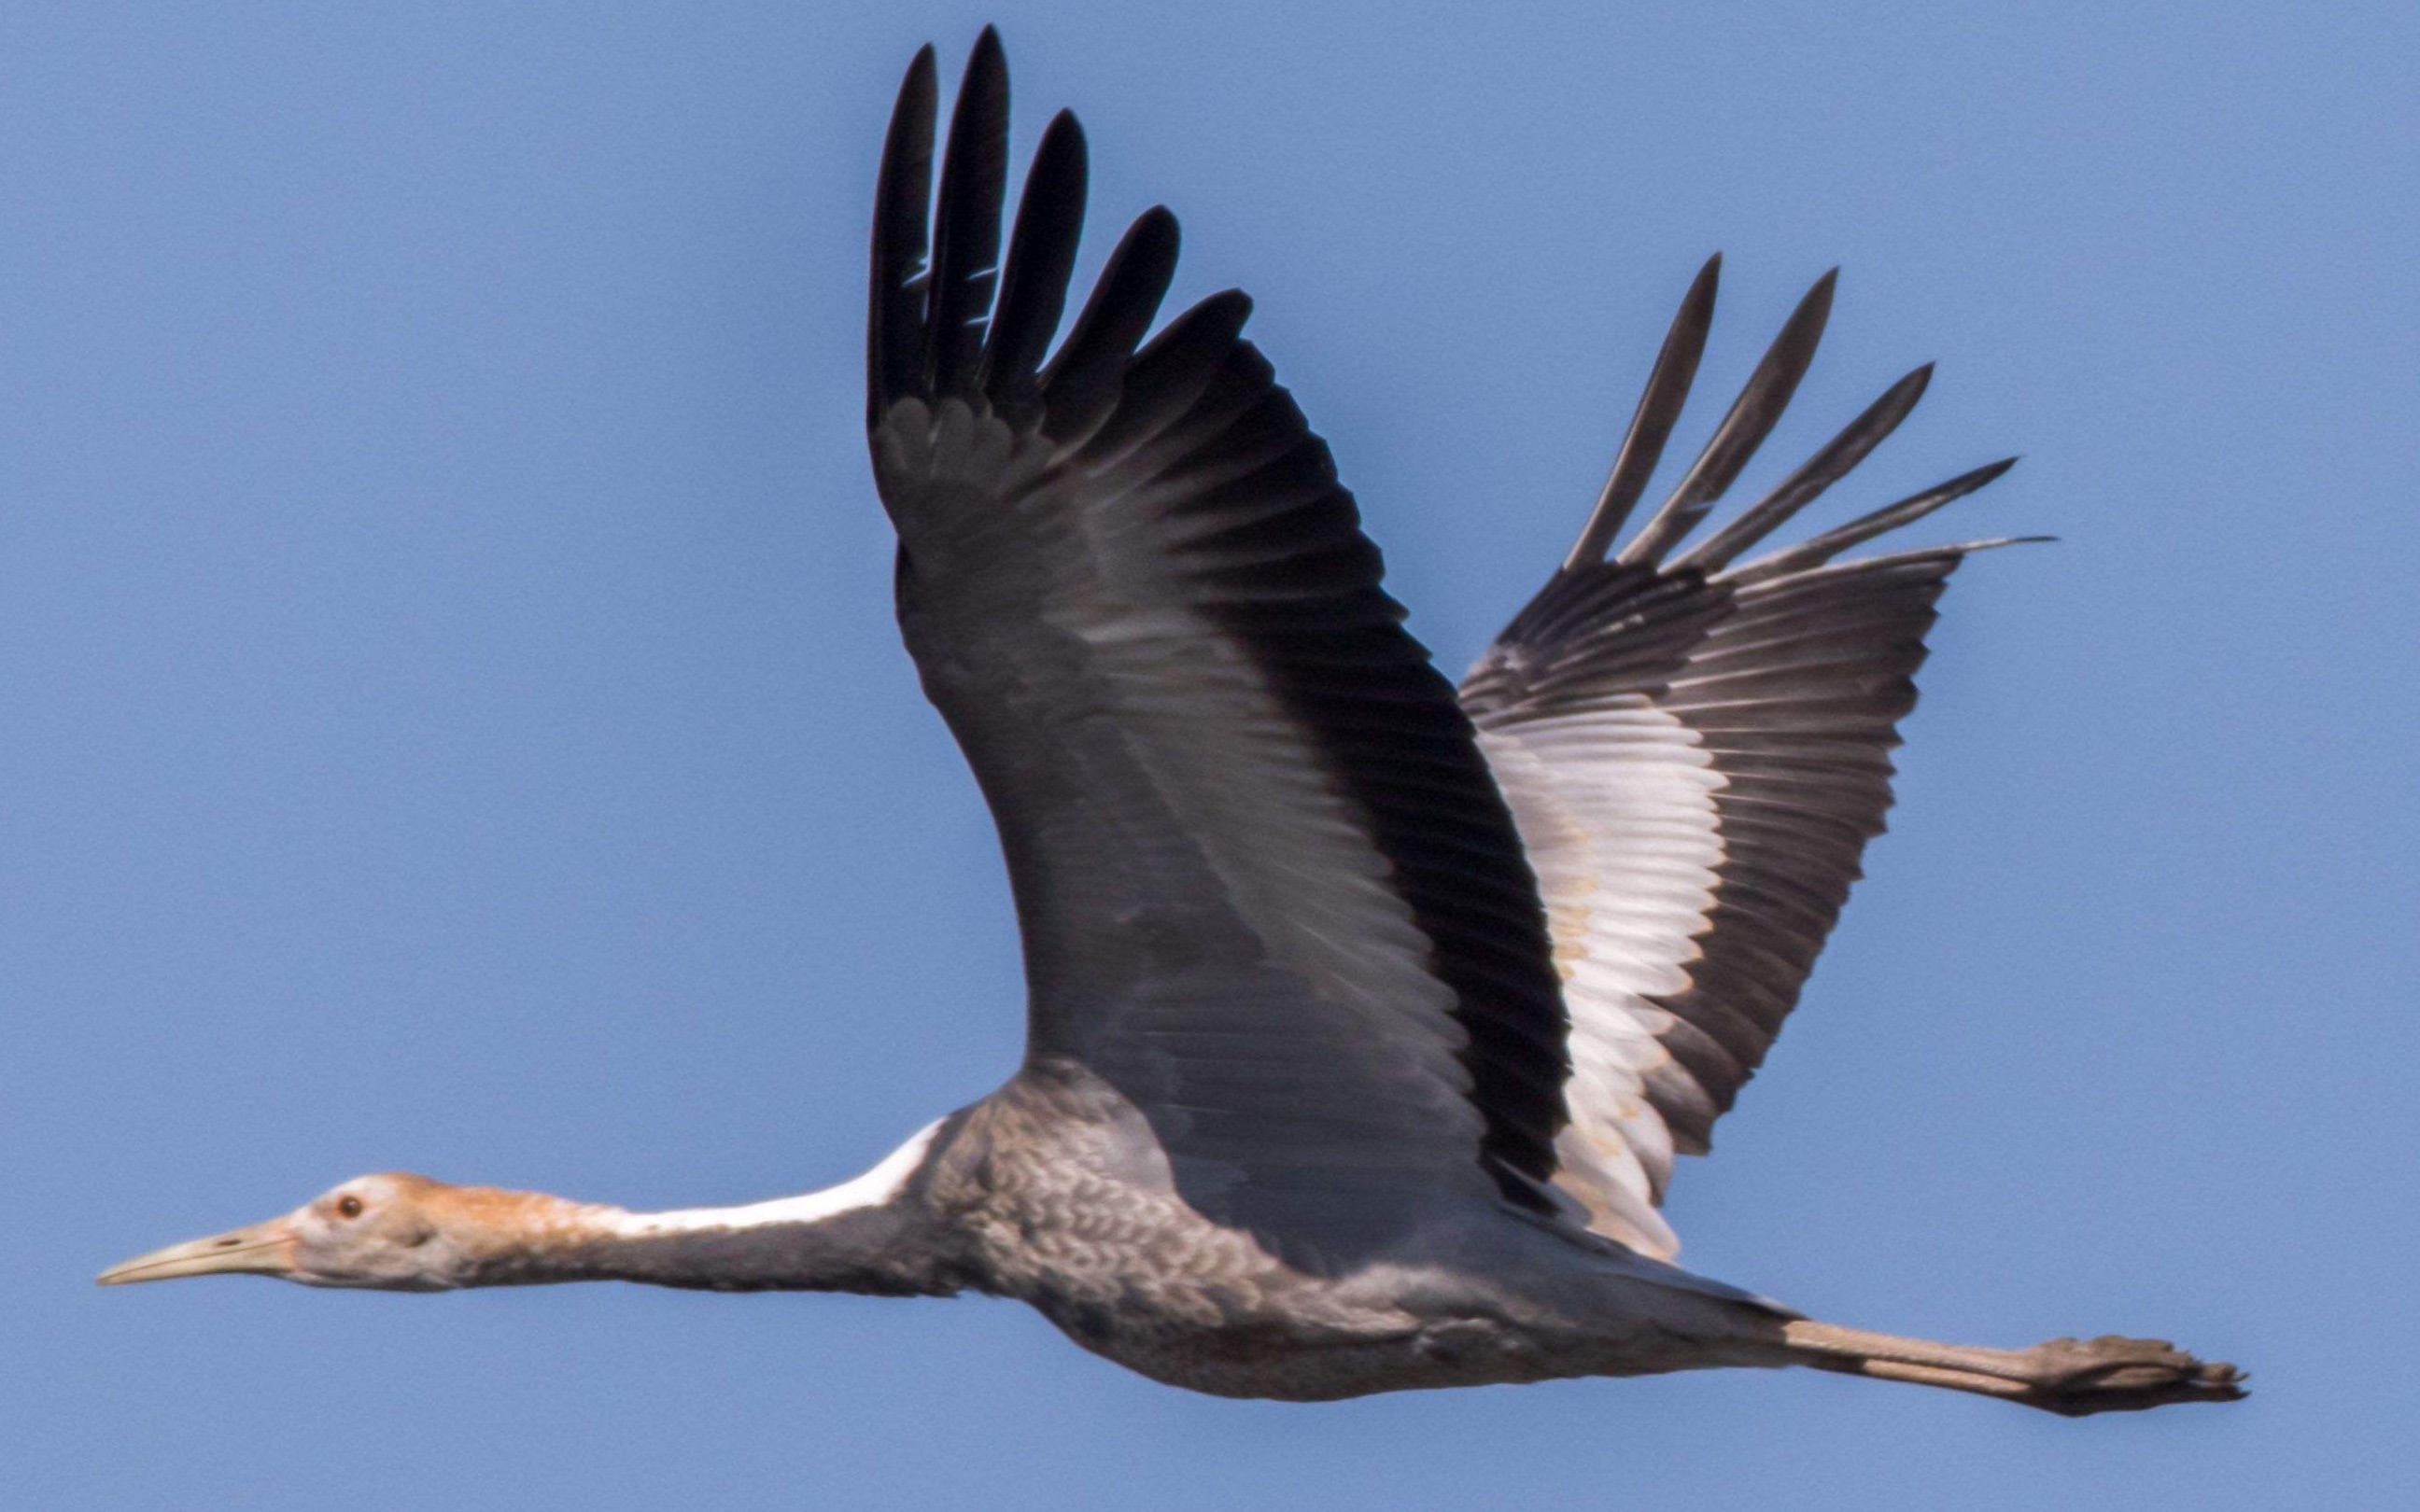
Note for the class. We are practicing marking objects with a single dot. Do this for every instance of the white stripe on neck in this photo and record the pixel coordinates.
(871, 1190)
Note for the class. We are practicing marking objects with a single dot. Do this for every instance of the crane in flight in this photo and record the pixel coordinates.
(1366, 1014)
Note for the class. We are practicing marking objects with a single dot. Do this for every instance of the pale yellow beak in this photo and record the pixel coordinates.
(263, 1249)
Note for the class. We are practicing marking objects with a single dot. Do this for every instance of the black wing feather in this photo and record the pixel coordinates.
(1088, 374)
(895, 323)
(1651, 424)
(1743, 429)
(965, 233)
(1818, 473)
(1041, 259)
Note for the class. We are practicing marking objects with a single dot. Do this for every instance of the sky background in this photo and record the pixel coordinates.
(453, 719)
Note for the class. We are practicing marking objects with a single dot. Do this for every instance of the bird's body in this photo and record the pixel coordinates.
(1065, 1202)
(1366, 1014)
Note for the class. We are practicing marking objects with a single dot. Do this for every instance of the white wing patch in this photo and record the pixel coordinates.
(1616, 808)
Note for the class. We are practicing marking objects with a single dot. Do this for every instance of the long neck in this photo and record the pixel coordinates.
(873, 1234)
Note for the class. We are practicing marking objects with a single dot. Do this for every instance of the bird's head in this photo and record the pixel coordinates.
(389, 1232)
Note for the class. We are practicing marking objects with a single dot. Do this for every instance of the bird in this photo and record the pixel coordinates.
(1367, 1013)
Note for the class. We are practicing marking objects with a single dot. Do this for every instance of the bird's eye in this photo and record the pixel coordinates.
(349, 1205)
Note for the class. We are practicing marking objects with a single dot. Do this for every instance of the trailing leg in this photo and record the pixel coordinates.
(2074, 1378)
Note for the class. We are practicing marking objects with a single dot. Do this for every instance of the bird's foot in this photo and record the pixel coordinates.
(2077, 1378)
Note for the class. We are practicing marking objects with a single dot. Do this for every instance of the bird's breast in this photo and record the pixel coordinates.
(1073, 1215)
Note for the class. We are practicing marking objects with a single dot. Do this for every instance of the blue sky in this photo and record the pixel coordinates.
(454, 722)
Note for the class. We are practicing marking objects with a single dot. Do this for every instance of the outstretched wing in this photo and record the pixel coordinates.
(1267, 888)
(1697, 753)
